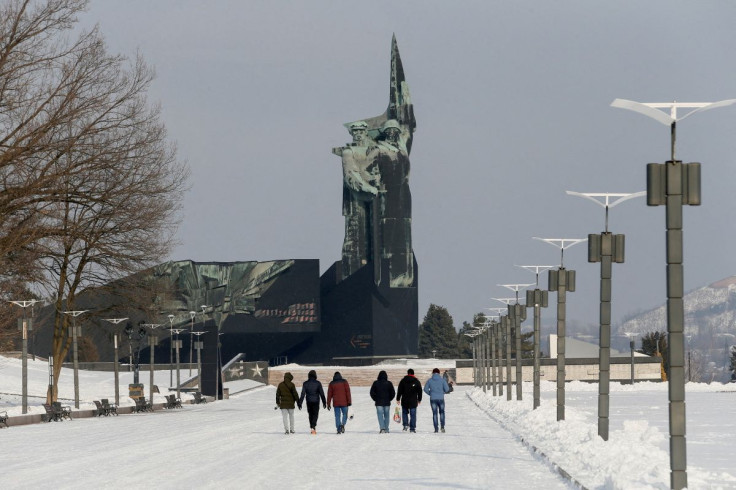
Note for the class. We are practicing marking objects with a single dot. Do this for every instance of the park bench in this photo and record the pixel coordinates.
(110, 408)
(4, 418)
(99, 410)
(198, 398)
(141, 405)
(56, 412)
(63, 411)
(49, 415)
(172, 401)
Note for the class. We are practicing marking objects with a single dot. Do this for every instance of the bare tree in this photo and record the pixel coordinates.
(84, 158)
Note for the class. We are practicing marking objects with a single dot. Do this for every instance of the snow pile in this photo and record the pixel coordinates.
(634, 457)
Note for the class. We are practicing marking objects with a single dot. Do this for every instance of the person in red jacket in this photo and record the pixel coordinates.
(338, 395)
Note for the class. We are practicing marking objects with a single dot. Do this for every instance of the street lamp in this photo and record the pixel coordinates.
(171, 350)
(25, 325)
(517, 312)
(152, 342)
(632, 337)
(538, 299)
(506, 323)
(75, 334)
(472, 336)
(192, 314)
(674, 184)
(562, 281)
(492, 331)
(198, 347)
(177, 347)
(116, 321)
(605, 248)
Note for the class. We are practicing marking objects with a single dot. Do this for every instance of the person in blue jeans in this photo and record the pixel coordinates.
(338, 395)
(382, 392)
(436, 387)
(409, 394)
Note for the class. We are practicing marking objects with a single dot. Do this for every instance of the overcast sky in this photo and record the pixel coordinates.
(512, 107)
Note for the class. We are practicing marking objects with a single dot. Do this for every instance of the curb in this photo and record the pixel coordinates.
(533, 449)
(35, 418)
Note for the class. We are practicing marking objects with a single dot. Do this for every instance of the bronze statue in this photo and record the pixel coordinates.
(376, 195)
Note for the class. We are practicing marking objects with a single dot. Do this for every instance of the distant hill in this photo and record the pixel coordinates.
(709, 310)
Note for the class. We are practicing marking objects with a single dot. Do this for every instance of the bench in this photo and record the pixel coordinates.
(172, 402)
(56, 412)
(141, 405)
(198, 398)
(49, 415)
(4, 418)
(110, 408)
(100, 410)
(63, 411)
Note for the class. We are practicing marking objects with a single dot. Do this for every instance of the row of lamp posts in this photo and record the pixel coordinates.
(672, 184)
(25, 325)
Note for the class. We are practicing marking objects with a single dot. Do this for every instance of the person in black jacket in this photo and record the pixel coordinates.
(382, 392)
(312, 390)
(409, 394)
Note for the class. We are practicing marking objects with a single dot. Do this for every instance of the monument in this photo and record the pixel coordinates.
(369, 298)
(363, 309)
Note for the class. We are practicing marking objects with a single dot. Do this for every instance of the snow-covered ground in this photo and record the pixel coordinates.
(490, 443)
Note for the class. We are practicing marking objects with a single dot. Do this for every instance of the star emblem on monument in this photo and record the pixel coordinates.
(257, 371)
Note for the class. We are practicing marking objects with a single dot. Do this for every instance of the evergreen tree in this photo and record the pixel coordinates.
(655, 344)
(437, 333)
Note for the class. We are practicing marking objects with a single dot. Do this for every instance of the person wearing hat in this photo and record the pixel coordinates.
(286, 398)
(338, 395)
(382, 392)
(391, 157)
(313, 392)
(436, 387)
(409, 394)
(360, 187)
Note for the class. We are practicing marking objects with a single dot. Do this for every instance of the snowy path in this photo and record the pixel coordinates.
(239, 443)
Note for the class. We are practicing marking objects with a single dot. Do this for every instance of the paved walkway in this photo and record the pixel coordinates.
(239, 443)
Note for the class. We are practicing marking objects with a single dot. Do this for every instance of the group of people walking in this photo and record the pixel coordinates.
(408, 395)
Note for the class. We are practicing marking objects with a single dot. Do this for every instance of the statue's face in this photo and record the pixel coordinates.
(358, 135)
(392, 134)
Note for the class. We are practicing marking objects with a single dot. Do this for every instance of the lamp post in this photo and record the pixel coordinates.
(485, 355)
(632, 338)
(152, 343)
(674, 184)
(517, 312)
(491, 328)
(116, 321)
(509, 322)
(562, 281)
(605, 248)
(177, 347)
(25, 325)
(171, 350)
(198, 347)
(75, 334)
(192, 314)
(538, 299)
(472, 345)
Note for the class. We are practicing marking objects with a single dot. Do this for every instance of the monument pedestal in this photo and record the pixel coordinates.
(363, 321)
